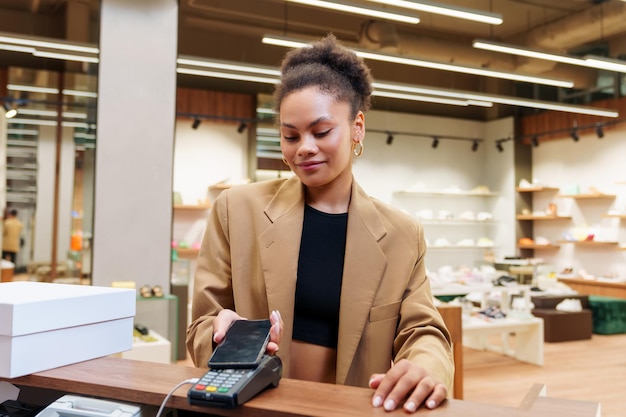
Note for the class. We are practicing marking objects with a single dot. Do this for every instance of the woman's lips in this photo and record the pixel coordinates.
(308, 165)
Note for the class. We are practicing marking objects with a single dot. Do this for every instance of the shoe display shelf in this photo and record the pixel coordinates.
(189, 222)
(528, 221)
(458, 222)
(478, 331)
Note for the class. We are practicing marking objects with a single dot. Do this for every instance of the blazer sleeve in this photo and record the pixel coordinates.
(422, 336)
(212, 283)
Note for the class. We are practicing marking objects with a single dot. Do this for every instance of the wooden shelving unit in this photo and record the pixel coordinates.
(589, 243)
(588, 196)
(192, 207)
(535, 189)
(541, 247)
(531, 217)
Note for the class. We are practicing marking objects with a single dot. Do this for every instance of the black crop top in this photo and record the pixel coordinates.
(320, 270)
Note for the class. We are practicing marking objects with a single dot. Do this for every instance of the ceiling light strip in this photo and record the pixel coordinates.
(40, 43)
(342, 6)
(386, 88)
(466, 95)
(281, 41)
(227, 75)
(446, 10)
(68, 57)
(414, 97)
(228, 66)
(588, 61)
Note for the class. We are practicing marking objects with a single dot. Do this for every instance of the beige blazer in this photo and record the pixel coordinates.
(249, 259)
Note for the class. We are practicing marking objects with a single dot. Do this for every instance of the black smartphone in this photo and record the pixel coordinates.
(243, 346)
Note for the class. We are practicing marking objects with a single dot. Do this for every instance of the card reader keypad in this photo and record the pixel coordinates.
(220, 380)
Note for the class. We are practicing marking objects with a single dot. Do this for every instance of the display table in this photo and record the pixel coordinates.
(149, 383)
(595, 287)
(476, 331)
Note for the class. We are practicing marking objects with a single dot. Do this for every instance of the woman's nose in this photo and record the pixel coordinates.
(307, 145)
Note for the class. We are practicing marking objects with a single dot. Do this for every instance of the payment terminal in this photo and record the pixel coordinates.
(238, 368)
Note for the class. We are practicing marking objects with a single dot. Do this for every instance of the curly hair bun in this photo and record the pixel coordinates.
(332, 68)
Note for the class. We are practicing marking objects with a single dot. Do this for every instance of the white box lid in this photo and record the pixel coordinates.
(32, 307)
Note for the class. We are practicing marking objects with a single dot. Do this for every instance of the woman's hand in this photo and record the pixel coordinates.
(276, 332)
(409, 383)
(222, 322)
(226, 317)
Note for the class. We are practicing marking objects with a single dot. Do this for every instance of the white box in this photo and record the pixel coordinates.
(46, 325)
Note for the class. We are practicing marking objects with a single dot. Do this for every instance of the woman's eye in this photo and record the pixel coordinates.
(290, 138)
(322, 134)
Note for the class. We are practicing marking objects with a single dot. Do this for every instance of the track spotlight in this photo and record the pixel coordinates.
(242, 126)
(499, 146)
(474, 146)
(600, 131)
(196, 123)
(10, 111)
(534, 140)
(435, 142)
(574, 134)
(389, 138)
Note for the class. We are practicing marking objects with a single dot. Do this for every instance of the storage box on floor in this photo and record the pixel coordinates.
(45, 325)
(563, 326)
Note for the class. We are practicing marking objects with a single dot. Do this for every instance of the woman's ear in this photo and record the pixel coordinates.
(359, 127)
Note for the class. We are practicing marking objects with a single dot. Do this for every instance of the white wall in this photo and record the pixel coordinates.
(211, 153)
(409, 161)
(590, 162)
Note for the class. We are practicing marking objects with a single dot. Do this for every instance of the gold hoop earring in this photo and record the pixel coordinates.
(357, 149)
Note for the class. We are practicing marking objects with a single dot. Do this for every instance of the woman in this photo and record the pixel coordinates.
(340, 274)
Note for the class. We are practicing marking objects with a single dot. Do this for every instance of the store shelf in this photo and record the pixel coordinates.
(535, 189)
(192, 207)
(448, 193)
(540, 247)
(531, 217)
(459, 222)
(616, 216)
(600, 196)
(187, 253)
(589, 243)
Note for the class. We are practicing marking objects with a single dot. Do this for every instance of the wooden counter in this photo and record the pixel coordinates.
(149, 383)
(595, 287)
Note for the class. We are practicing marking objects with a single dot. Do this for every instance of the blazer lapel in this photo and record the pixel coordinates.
(279, 247)
(364, 266)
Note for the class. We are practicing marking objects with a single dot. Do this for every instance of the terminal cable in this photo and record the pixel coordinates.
(172, 391)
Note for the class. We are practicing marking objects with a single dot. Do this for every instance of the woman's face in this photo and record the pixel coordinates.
(317, 135)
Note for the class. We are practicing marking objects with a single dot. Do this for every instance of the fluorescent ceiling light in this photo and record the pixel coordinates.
(414, 97)
(17, 48)
(51, 113)
(446, 10)
(35, 122)
(342, 6)
(40, 43)
(512, 101)
(606, 63)
(589, 61)
(68, 57)
(381, 88)
(32, 89)
(280, 41)
(79, 93)
(22, 132)
(49, 49)
(227, 76)
(228, 66)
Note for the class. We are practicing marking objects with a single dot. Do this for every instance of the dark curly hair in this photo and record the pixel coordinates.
(330, 67)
